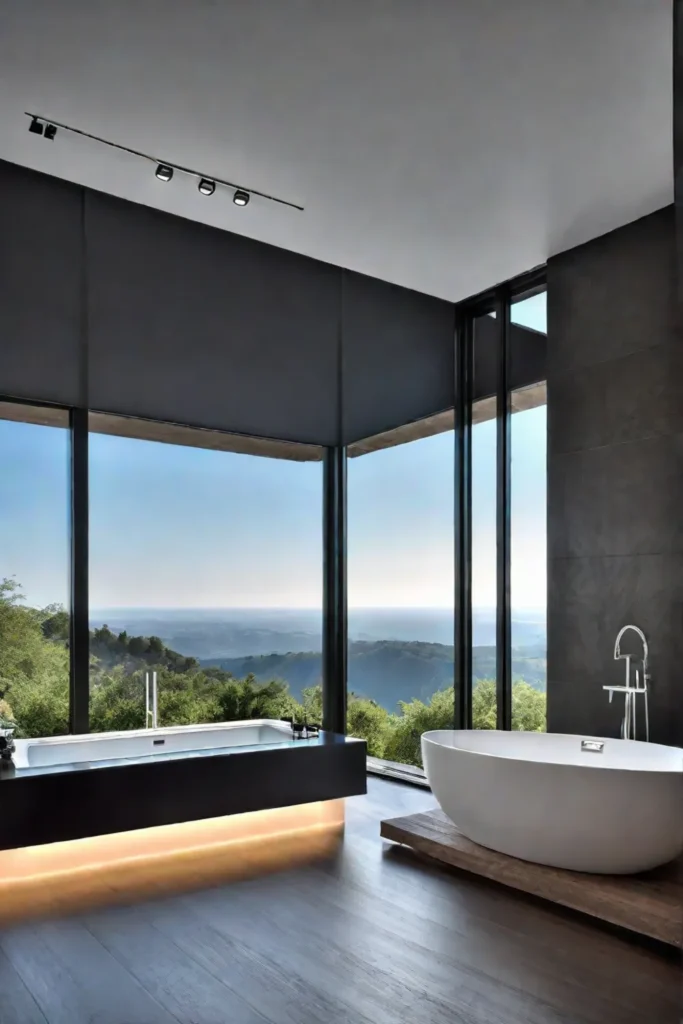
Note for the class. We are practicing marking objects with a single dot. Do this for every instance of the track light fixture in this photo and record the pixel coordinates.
(40, 125)
(36, 127)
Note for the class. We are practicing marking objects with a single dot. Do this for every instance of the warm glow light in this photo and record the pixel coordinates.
(70, 876)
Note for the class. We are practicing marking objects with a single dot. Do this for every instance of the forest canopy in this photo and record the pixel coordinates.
(34, 688)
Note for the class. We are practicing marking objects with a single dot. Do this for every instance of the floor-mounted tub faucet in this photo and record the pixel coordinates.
(628, 725)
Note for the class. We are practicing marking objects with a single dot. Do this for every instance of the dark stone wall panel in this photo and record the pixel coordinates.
(615, 476)
(627, 399)
(596, 597)
(617, 500)
(614, 295)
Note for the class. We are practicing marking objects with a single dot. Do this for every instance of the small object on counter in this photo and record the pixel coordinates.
(302, 730)
(7, 747)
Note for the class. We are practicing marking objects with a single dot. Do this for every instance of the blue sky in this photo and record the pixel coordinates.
(186, 527)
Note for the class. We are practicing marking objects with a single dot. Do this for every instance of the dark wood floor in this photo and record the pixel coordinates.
(371, 936)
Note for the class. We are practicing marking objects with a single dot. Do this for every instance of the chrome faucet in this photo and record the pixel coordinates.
(628, 725)
(151, 706)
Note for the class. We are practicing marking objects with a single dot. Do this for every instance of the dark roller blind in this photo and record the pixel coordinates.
(41, 275)
(398, 356)
(198, 326)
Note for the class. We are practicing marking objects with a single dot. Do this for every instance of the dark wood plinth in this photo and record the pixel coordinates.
(50, 805)
(650, 904)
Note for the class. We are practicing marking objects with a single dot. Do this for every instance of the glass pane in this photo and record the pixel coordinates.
(205, 570)
(400, 580)
(484, 558)
(34, 569)
(528, 557)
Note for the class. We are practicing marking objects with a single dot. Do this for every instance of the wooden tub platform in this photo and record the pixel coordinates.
(650, 904)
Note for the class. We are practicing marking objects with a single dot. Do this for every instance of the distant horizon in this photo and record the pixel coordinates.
(295, 608)
(211, 633)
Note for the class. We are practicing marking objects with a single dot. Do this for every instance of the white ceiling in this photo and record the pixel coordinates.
(440, 144)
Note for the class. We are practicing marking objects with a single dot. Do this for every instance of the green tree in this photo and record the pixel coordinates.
(138, 645)
(370, 722)
(41, 705)
(56, 623)
(156, 647)
(404, 742)
(22, 649)
(484, 704)
(312, 704)
(528, 708)
(34, 671)
(6, 714)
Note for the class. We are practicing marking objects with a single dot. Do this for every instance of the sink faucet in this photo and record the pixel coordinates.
(628, 725)
(151, 706)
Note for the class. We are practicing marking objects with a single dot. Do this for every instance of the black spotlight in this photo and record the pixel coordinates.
(207, 187)
(241, 198)
(50, 131)
(35, 126)
(164, 172)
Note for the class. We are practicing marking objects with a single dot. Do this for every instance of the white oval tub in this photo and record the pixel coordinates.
(543, 798)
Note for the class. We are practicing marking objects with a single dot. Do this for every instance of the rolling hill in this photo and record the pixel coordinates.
(387, 671)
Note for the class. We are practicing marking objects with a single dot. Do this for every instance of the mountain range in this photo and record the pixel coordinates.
(239, 632)
(387, 671)
(394, 654)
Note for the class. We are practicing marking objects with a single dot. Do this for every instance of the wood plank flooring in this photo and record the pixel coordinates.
(371, 935)
(651, 905)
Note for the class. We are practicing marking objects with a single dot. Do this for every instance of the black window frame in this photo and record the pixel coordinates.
(500, 387)
(334, 518)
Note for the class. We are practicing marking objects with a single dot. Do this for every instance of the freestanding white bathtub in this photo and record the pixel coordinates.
(576, 802)
(137, 743)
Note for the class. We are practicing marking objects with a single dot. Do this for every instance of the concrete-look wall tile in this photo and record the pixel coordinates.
(613, 295)
(629, 399)
(621, 500)
(591, 599)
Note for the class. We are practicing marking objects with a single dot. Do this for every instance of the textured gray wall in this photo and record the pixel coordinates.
(615, 475)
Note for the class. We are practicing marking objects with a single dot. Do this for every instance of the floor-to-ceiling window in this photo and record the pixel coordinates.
(34, 569)
(401, 587)
(528, 549)
(205, 576)
(508, 337)
(205, 557)
(483, 526)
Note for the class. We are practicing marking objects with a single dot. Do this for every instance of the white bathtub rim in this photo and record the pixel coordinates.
(21, 758)
(164, 730)
(634, 766)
